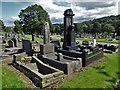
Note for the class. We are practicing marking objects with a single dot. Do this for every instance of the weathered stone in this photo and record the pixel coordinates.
(44, 76)
(46, 48)
(46, 33)
(10, 43)
(59, 56)
(69, 33)
(15, 41)
(27, 46)
(16, 57)
(94, 43)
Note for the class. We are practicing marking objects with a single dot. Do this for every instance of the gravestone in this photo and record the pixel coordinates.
(10, 43)
(6, 35)
(46, 33)
(69, 33)
(94, 42)
(47, 47)
(15, 41)
(27, 46)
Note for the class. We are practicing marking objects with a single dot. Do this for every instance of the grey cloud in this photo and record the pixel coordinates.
(56, 20)
(64, 4)
(93, 5)
(82, 18)
(119, 7)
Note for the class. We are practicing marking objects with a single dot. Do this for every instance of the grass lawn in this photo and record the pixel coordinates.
(101, 40)
(36, 38)
(103, 75)
(10, 80)
(0, 77)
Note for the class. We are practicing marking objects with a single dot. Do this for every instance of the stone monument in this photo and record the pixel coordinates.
(87, 53)
(69, 33)
(47, 47)
(10, 43)
(15, 41)
(94, 43)
(46, 33)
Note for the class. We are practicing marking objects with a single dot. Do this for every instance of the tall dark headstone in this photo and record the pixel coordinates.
(15, 41)
(27, 46)
(69, 33)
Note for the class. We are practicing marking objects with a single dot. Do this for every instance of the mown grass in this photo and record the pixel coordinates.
(100, 40)
(103, 75)
(10, 79)
(0, 77)
(29, 37)
(87, 39)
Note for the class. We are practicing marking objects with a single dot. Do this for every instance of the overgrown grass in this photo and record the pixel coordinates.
(103, 75)
(10, 80)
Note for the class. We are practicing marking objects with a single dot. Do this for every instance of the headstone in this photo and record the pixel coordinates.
(46, 33)
(47, 47)
(69, 33)
(15, 41)
(86, 43)
(10, 43)
(27, 45)
(5, 35)
(94, 42)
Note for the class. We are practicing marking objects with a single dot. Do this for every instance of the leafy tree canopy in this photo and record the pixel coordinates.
(33, 18)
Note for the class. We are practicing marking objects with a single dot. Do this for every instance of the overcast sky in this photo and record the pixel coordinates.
(83, 10)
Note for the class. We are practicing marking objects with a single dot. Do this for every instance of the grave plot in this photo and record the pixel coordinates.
(87, 53)
(30, 47)
(11, 46)
(57, 60)
(40, 73)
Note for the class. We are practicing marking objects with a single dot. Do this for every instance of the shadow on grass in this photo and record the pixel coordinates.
(112, 80)
(104, 73)
(98, 67)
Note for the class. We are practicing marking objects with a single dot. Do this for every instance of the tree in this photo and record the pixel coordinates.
(8, 29)
(108, 28)
(18, 26)
(1, 25)
(96, 28)
(33, 18)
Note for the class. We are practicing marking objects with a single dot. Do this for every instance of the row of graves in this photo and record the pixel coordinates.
(47, 63)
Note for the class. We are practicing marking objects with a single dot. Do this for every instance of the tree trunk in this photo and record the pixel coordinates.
(33, 37)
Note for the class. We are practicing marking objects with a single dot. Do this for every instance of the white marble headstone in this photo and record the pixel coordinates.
(94, 42)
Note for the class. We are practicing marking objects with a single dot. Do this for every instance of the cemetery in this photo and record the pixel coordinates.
(54, 59)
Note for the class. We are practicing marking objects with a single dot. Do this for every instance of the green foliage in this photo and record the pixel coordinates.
(33, 18)
(29, 37)
(96, 25)
(103, 75)
(1, 25)
(8, 29)
(18, 27)
(108, 28)
(10, 80)
(100, 40)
